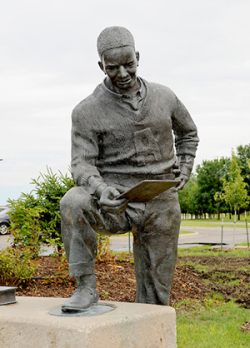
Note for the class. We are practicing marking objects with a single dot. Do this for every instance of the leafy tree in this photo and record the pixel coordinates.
(234, 189)
(210, 176)
(188, 197)
(243, 156)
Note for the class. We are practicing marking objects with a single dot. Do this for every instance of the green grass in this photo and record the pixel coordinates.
(212, 323)
(207, 251)
(205, 223)
(245, 243)
(126, 234)
(186, 232)
(242, 219)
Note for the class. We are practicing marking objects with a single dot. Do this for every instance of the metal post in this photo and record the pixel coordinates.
(234, 228)
(247, 229)
(129, 249)
(221, 234)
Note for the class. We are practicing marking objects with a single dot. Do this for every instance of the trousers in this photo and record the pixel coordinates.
(155, 231)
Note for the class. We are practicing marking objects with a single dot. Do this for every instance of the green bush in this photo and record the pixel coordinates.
(25, 224)
(16, 267)
(35, 217)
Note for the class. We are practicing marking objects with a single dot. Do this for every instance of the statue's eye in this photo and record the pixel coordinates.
(130, 64)
(111, 68)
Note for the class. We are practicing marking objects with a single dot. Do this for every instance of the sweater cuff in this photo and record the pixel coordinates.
(95, 186)
(186, 163)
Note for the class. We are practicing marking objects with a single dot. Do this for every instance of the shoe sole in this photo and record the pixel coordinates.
(74, 309)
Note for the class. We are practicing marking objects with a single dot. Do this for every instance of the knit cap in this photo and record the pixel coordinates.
(114, 37)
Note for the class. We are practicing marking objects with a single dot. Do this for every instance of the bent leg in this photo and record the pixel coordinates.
(155, 249)
(81, 218)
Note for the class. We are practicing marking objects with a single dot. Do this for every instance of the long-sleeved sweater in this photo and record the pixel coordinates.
(111, 142)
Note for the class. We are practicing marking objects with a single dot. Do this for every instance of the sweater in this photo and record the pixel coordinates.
(118, 145)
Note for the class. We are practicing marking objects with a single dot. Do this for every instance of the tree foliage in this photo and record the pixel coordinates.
(243, 156)
(210, 176)
(198, 196)
(234, 189)
(189, 197)
(35, 217)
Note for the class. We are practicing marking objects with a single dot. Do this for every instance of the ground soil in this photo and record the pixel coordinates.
(116, 280)
(227, 276)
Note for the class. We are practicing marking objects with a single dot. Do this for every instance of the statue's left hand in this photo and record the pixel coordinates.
(183, 182)
(111, 205)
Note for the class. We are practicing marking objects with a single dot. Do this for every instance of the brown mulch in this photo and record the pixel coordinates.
(115, 282)
(246, 327)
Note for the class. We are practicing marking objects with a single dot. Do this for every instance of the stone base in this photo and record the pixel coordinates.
(131, 325)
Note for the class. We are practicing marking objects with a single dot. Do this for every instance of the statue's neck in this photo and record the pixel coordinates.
(128, 92)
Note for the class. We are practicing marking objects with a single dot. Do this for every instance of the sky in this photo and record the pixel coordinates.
(48, 64)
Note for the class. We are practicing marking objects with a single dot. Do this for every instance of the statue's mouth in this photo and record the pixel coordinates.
(124, 82)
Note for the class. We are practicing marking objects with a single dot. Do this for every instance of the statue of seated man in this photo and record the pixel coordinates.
(122, 134)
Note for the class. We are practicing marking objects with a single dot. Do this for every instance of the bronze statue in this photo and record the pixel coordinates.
(121, 135)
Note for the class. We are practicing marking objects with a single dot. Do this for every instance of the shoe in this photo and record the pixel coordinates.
(82, 299)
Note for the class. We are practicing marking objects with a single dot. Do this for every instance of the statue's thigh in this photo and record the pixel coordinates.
(82, 209)
(162, 215)
(110, 223)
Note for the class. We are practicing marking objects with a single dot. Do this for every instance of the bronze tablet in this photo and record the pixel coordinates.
(147, 190)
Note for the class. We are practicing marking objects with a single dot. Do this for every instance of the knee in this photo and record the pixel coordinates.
(76, 198)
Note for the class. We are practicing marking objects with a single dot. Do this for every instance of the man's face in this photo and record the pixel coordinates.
(120, 64)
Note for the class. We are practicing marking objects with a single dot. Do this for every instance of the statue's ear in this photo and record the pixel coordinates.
(137, 54)
(101, 66)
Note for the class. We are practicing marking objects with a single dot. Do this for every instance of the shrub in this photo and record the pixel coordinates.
(35, 217)
(25, 225)
(16, 267)
(104, 254)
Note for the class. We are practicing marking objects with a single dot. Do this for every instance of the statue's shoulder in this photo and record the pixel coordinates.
(87, 106)
(158, 88)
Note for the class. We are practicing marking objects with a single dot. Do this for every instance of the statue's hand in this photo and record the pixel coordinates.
(183, 182)
(111, 205)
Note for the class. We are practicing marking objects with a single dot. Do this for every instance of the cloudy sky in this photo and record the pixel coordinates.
(48, 63)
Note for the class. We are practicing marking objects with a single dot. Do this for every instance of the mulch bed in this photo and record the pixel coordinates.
(115, 282)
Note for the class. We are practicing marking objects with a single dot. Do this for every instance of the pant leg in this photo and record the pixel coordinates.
(81, 218)
(155, 248)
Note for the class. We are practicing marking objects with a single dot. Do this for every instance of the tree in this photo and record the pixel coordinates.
(234, 189)
(188, 197)
(210, 176)
(243, 156)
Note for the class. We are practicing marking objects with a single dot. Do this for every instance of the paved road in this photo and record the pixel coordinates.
(3, 241)
(202, 235)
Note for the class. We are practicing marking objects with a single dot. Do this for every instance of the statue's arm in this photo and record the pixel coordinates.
(84, 154)
(186, 141)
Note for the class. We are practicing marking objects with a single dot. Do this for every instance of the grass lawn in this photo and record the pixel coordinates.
(126, 234)
(206, 223)
(186, 232)
(207, 251)
(242, 219)
(213, 322)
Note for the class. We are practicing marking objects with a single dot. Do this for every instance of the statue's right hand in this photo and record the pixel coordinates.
(111, 205)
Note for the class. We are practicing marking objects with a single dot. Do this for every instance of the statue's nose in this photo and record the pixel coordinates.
(122, 72)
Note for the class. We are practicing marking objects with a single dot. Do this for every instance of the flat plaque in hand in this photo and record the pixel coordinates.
(147, 190)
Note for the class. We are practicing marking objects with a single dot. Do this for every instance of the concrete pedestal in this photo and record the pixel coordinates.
(28, 324)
